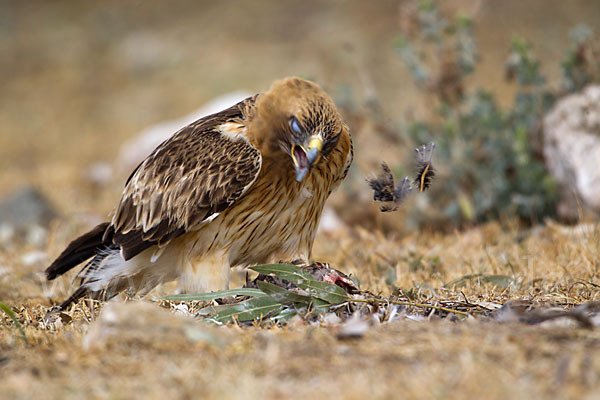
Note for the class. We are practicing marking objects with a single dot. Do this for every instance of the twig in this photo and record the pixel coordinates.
(466, 300)
(407, 303)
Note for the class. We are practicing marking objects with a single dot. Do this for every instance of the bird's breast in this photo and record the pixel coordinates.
(275, 220)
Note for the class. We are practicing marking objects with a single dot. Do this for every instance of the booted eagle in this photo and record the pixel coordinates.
(240, 187)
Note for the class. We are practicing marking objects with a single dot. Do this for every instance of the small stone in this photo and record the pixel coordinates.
(182, 309)
(36, 236)
(332, 319)
(355, 327)
(330, 222)
(33, 257)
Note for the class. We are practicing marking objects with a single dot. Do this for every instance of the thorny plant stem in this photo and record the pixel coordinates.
(406, 303)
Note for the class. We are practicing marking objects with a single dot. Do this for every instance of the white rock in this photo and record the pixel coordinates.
(572, 148)
(135, 150)
(330, 222)
(182, 309)
(593, 95)
(331, 319)
(354, 327)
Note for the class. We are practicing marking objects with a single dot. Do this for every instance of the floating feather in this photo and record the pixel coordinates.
(425, 171)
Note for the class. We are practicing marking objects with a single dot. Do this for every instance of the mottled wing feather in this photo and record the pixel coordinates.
(195, 174)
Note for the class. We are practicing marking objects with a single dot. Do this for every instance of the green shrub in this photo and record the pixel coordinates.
(488, 158)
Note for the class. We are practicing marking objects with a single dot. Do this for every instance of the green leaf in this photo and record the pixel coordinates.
(284, 296)
(321, 306)
(212, 309)
(462, 281)
(284, 271)
(289, 298)
(215, 295)
(251, 309)
(332, 294)
(12, 316)
(390, 276)
(504, 281)
(285, 315)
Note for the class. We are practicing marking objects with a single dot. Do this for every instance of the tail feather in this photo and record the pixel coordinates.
(106, 272)
(79, 250)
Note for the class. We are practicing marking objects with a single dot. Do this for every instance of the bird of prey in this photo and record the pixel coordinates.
(244, 186)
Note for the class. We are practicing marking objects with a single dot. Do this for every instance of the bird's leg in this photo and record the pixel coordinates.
(205, 274)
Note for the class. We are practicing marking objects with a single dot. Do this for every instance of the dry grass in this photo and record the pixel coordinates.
(74, 97)
(150, 353)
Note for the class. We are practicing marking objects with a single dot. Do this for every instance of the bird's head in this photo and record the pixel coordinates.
(297, 121)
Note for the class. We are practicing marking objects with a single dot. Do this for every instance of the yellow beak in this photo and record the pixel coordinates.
(305, 156)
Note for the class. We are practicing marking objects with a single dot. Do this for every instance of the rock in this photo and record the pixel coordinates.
(330, 222)
(26, 207)
(25, 214)
(354, 327)
(139, 323)
(36, 236)
(34, 257)
(572, 150)
(135, 150)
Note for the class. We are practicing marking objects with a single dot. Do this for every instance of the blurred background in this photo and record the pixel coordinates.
(82, 82)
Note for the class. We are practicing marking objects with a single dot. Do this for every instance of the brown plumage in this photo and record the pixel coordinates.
(391, 195)
(386, 192)
(243, 186)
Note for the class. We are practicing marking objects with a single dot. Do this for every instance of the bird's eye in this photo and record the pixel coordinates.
(295, 125)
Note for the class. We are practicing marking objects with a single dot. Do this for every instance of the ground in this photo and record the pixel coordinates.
(84, 78)
(150, 352)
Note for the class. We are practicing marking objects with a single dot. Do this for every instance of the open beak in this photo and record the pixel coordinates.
(305, 156)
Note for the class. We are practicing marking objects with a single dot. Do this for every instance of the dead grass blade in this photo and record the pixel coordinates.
(407, 303)
(11, 314)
